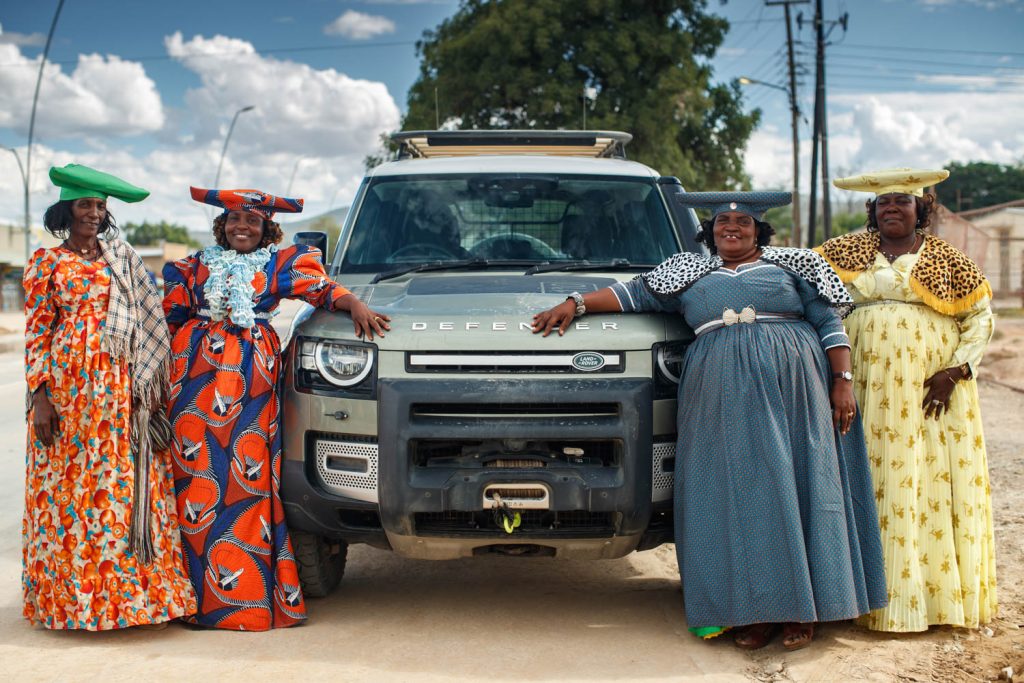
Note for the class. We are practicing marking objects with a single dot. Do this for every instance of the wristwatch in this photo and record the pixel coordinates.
(846, 374)
(581, 308)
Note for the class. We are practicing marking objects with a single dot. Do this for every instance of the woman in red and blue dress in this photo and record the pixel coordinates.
(224, 408)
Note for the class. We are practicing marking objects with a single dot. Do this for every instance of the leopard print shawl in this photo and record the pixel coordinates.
(682, 270)
(944, 277)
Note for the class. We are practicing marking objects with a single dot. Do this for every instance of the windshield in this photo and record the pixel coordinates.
(528, 219)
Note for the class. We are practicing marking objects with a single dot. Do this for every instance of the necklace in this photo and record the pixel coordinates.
(87, 252)
(890, 257)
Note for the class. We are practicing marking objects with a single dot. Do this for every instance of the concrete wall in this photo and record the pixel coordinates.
(1005, 249)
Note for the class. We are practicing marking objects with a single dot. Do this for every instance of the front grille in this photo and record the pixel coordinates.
(509, 363)
(547, 523)
(528, 454)
(514, 410)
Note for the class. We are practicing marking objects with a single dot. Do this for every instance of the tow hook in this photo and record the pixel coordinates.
(503, 516)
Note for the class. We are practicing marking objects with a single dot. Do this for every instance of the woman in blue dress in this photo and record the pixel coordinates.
(775, 518)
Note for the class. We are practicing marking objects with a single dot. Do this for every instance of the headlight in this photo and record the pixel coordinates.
(670, 361)
(668, 366)
(342, 364)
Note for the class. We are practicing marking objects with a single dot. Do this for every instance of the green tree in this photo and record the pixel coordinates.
(978, 184)
(146, 233)
(645, 67)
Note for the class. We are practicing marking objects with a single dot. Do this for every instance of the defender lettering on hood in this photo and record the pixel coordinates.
(502, 326)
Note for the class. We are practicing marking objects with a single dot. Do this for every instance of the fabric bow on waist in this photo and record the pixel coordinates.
(731, 317)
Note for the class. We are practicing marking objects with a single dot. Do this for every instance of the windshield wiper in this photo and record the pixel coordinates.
(448, 265)
(614, 264)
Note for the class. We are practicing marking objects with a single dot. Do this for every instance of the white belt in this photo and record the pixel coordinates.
(747, 315)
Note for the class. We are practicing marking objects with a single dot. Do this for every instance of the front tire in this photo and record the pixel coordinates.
(321, 563)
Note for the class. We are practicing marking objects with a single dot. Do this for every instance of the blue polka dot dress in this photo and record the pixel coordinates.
(774, 511)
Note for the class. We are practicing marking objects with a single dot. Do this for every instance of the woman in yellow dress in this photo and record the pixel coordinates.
(922, 321)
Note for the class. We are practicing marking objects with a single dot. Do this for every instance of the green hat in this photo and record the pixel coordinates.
(76, 181)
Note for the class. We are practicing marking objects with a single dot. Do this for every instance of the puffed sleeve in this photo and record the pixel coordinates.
(637, 296)
(40, 314)
(179, 298)
(301, 275)
(821, 315)
(976, 327)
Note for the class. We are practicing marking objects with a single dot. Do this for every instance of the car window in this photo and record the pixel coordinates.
(413, 219)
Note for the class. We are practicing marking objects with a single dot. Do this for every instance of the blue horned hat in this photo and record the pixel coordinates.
(754, 204)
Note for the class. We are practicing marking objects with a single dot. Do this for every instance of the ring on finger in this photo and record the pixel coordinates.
(936, 402)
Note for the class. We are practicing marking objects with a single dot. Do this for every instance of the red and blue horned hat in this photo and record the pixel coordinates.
(252, 201)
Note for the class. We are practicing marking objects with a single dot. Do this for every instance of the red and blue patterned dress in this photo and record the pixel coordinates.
(224, 410)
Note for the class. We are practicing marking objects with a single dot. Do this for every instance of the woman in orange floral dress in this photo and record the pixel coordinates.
(81, 566)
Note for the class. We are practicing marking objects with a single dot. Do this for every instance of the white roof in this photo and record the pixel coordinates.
(515, 164)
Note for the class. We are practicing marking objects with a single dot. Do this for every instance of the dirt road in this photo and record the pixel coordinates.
(511, 619)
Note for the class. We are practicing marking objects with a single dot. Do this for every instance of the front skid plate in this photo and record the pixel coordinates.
(434, 548)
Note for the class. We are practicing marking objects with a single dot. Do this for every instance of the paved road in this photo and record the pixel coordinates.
(392, 619)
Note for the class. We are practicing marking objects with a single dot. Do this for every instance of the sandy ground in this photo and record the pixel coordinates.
(511, 619)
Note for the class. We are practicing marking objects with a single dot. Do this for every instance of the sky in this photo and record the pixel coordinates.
(147, 90)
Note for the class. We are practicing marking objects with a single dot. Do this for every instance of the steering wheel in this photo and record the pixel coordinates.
(504, 246)
(418, 250)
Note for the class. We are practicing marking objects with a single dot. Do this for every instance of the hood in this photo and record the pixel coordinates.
(492, 312)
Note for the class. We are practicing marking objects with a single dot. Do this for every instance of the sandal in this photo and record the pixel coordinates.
(755, 636)
(797, 636)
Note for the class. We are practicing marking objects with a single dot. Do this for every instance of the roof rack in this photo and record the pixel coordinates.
(427, 144)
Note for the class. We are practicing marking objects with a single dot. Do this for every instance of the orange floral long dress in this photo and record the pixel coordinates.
(78, 572)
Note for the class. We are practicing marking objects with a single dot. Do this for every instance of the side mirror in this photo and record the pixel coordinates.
(313, 239)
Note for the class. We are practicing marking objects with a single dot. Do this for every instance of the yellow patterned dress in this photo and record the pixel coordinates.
(930, 476)
(77, 570)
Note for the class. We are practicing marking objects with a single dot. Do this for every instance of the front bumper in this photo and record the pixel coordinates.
(435, 467)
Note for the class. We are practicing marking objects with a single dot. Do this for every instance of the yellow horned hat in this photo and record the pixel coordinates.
(902, 180)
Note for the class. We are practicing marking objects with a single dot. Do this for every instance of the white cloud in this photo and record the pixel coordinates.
(299, 110)
(326, 119)
(102, 96)
(886, 130)
(22, 39)
(359, 26)
(324, 183)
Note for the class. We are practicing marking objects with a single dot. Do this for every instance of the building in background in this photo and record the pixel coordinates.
(1004, 253)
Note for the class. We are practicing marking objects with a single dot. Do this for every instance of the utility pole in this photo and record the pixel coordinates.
(821, 126)
(31, 131)
(794, 110)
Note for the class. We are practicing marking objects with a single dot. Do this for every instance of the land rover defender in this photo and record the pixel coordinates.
(460, 432)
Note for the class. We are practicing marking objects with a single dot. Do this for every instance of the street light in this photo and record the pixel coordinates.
(795, 113)
(227, 139)
(28, 224)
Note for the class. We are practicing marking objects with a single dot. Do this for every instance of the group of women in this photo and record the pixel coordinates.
(825, 471)
(846, 479)
(153, 459)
